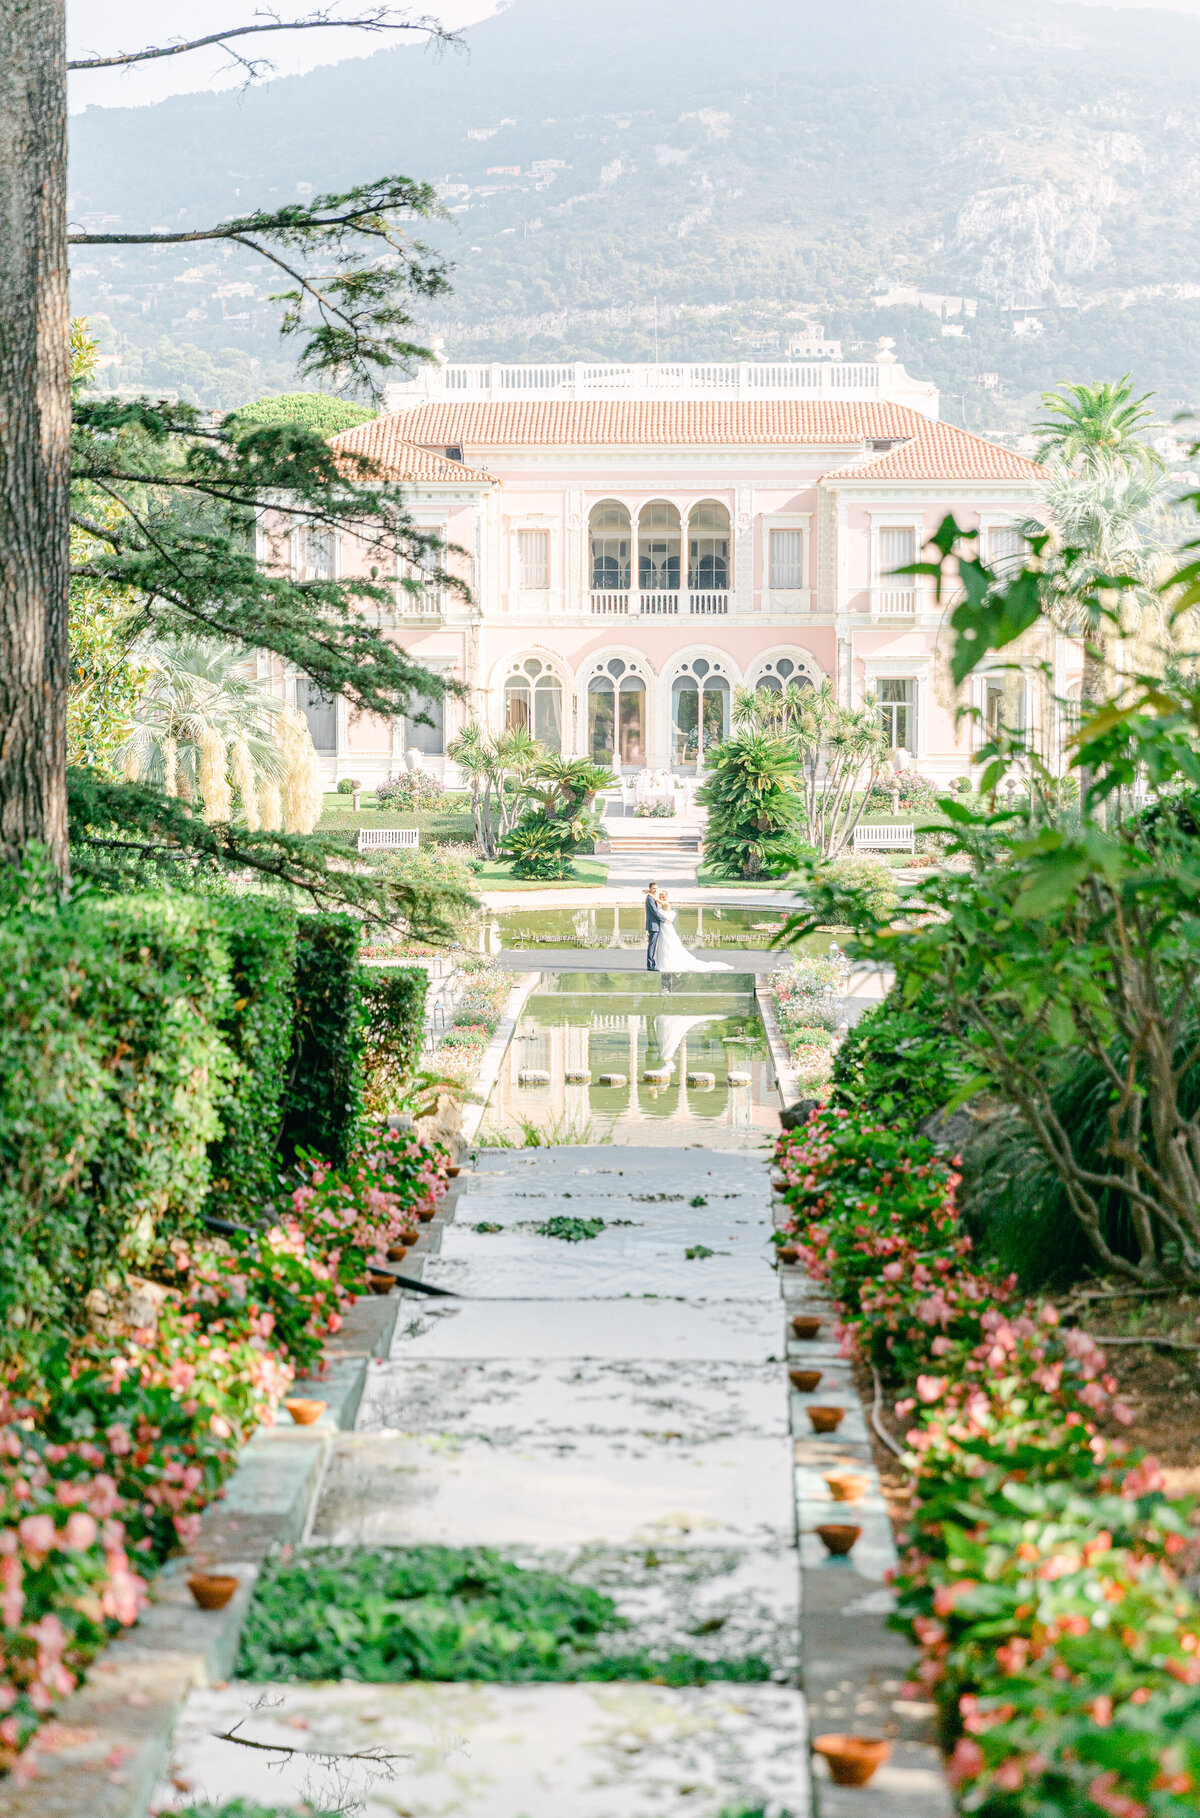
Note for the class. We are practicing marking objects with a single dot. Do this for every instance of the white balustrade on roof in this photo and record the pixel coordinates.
(498, 382)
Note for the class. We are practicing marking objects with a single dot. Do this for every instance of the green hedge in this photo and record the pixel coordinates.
(394, 1011)
(111, 1072)
(323, 1099)
(257, 1027)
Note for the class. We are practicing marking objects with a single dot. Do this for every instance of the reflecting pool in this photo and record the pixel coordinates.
(624, 926)
(691, 1033)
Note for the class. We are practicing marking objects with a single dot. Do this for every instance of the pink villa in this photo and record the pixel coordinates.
(640, 541)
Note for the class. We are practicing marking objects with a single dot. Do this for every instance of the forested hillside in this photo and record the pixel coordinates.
(753, 169)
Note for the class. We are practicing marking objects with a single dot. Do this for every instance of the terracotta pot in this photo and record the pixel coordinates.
(381, 1284)
(788, 1253)
(425, 1214)
(304, 1410)
(838, 1537)
(397, 1252)
(805, 1380)
(852, 1759)
(806, 1325)
(453, 1173)
(847, 1486)
(213, 1590)
(826, 1420)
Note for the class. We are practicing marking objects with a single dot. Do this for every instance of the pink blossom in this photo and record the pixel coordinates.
(931, 1388)
(38, 1533)
(103, 1497)
(80, 1531)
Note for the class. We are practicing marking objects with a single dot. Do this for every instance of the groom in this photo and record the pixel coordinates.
(654, 922)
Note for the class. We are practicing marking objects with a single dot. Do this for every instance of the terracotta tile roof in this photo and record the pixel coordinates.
(939, 451)
(399, 458)
(615, 422)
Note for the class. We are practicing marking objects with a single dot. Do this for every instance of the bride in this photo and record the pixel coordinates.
(672, 955)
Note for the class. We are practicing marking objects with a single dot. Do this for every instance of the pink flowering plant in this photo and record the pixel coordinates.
(1046, 1578)
(111, 1447)
(352, 1214)
(873, 1213)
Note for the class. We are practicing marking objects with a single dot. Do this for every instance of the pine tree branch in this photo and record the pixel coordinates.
(380, 19)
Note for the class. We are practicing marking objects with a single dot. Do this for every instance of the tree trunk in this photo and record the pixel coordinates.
(35, 408)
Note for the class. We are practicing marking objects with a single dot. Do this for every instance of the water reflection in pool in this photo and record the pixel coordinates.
(623, 926)
(692, 1033)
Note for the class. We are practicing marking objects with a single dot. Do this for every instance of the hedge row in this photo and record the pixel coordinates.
(1045, 1575)
(159, 1058)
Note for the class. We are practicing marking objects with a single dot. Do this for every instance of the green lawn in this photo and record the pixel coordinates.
(705, 875)
(448, 824)
(497, 874)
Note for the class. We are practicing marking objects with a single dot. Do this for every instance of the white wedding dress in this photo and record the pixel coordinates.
(673, 956)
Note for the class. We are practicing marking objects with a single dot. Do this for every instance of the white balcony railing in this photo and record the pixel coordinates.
(658, 603)
(895, 602)
(429, 604)
(498, 382)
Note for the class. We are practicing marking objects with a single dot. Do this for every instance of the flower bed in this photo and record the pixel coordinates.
(804, 1008)
(1044, 1576)
(111, 1447)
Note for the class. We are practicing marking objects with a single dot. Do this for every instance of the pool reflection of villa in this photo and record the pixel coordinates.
(577, 1028)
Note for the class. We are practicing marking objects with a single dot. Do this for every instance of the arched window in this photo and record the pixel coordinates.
(779, 673)
(611, 537)
(708, 549)
(533, 702)
(617, 714)
(699, 711)
(658, 548)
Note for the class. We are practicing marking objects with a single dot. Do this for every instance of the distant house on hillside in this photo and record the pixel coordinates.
(641, 541)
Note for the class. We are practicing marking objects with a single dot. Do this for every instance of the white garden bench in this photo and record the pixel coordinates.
(885, 839)
(374, 839)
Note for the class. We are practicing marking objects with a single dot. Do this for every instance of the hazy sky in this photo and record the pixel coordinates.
(106, 26)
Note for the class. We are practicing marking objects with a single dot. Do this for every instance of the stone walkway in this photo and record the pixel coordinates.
(622, 1410)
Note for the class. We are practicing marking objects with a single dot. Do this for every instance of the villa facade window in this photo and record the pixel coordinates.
(320, 710)
(708, 549)
(659, 541)
(897, 706)
(616, 710)
(533, 554)
(699, 712)
(533, 703)
(786, 560)
(897, 549)
(611, 535)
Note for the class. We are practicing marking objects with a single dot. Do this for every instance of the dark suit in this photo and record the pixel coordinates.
(654, 922)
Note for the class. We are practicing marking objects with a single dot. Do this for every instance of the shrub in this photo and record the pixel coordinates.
(111, 1072)
(869, 876)
(347, 785)
(897, 1063)
(312, 410)
(755, 813)
(323, 1101)
(537, 849)
(661, 810)
(394, 1003)
(412, 790)
(260, 937)
(811, 1038)
(913, 794)
(804, 995)
(446, 867)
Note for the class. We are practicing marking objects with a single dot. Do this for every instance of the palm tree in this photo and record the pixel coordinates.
(1089, 426)
(201, 729)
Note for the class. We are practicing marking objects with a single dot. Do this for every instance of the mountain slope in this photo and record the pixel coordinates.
(746, 170)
